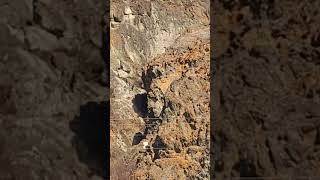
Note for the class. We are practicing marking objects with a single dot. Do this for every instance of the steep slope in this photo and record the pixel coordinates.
(141, 33)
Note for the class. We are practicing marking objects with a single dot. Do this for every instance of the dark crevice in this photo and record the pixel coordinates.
(158, 145)
(219, 166)
(72, 81)
(246, 169)
(147, 77)
(189, 120)
(140, 104)
(57, 32)
(90, 139)
(36, 17)
(228, 4)
(315, 40)
(291, 156)
(138, 137)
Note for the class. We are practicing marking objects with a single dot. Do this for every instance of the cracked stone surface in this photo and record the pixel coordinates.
(268, 125)
(52, 76)
(177, 85)
(144, 36)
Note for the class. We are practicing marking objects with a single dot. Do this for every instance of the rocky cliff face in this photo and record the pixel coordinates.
(51, 67)
(160, 89)
(177, 85)
(268, 125)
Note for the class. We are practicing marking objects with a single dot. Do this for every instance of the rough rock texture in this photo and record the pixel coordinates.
(51, 64)
(269, 54)
(177, 85)
(144, 36)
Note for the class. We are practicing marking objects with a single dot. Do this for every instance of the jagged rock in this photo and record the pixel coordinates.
(46, 82)
(154, 34)
(178, 95)
(269, 96)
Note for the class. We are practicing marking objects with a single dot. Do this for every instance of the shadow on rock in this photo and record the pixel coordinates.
(140, 105)
(91, 137)
(138, 137)
(246, 169)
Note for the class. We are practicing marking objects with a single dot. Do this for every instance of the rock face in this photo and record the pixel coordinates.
(159, 89)
(177, 85)
(51, 67)
(268, 125)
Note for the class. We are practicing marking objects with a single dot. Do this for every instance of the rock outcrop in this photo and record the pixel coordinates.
(268, 123)
(159, 60)
(51, 67)
(177, 85)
